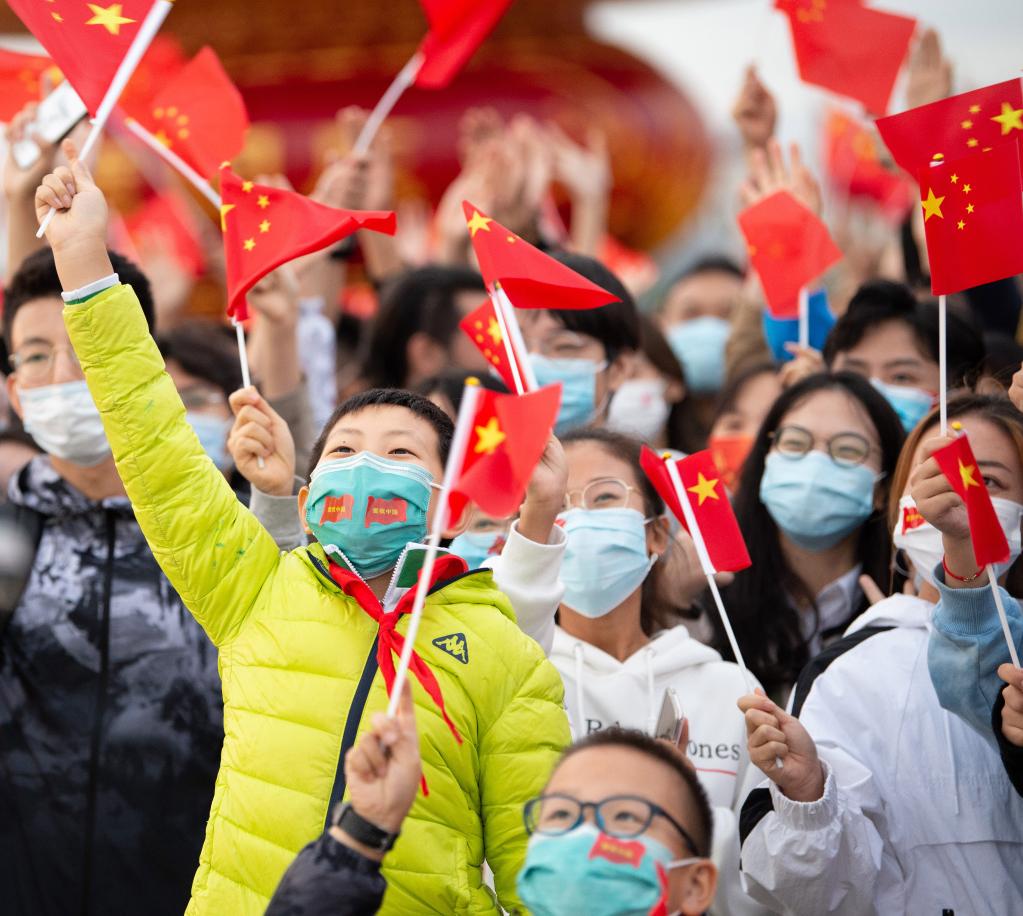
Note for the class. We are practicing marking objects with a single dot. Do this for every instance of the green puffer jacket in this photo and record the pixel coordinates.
(298, 663)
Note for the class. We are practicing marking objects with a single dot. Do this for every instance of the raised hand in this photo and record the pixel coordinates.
(1012, 714)
(545, 495)
(755, 112)
(935, 499)
(770, 173)
(20, 184)
(806, 362)
(1016, 389)
(929, 75)
(584, 169)
(259, 432)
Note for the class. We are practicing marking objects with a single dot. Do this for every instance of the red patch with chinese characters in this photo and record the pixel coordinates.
(911, 518)
(385, 511)
(621, 852)
(337, 508)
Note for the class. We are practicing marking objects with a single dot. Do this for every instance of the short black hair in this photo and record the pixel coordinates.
(878, 301)
(711, 264)
(387, 397)
(36, 278)
(205, 350)
(615, 736)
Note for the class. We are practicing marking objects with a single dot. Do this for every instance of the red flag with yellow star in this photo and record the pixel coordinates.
(457, 29)
(960, 467)
(708, 497)
(956, 126)
(20, 78)
(87, 41)
(199, 114)
(509, 434)
(266, 227)
(789, 247)
(848, 48)
(973, 219)
(530, 278)
(484, 330)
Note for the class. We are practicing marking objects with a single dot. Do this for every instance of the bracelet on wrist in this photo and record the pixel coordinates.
(948, 572)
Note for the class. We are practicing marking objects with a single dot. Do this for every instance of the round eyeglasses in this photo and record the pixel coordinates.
(603, 493)
(34, 361)
(846, 449)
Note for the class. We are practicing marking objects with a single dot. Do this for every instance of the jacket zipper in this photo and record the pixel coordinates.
(101, 703)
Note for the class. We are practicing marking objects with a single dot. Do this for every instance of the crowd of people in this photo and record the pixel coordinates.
(196, 650)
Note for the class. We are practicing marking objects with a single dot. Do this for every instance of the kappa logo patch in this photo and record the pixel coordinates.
(455, 646)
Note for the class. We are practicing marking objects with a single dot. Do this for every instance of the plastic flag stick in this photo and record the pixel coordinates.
(804, 317)
(243, 358)
(174, 160)
(943, 365)
(504, 307)
(509, 347)
(1013, 654)
(405, 78)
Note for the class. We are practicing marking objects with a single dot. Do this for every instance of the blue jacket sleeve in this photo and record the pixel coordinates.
(966, 647)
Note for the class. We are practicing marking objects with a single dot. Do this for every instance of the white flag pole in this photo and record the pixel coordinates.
(174, 160)
(943, 365)
(509, 347)
(243, 358)
(502, 304)
(456, 460)
(140, 44)
(1013, 654)
(804, 317)
(405, 78)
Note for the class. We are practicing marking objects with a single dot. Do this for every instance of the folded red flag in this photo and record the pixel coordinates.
(848, 48)
(531, 279)
(87, 41)
(960, 467)
(706, 492)
(20, 77)
(789, 247)
(266, 227)
(509, 434)
(199, 114)
(955, 126)
(457, 29)
(484, 330)
(973, 218)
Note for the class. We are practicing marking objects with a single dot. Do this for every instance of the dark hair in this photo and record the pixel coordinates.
(878, 301)
(419, 301)
(766, 624)
(655, 611)
(615, 325)
(685, 432)
(732, 391)
(451, 384)
(712, 264)
(387, 397)
(205, 350)
(662, 752)
(36, 278)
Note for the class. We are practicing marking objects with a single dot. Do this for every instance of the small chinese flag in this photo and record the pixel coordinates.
(457, 29)
(20, 78)
(789, 247)
(960, 467)
(87, 41)
(509, 434)
(531, 279)
(952, 127)
(483, 329)
(848, 48)
(199, 114)
(266, 227)
(165, 221)
(973, 219)
(705, 489)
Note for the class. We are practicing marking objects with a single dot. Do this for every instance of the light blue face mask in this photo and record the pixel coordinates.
(369, 509)
(585, 871)
(476, 546)
(605, 560)
(700, 346)
(815, 501)
(911, 404)
(578, 379)
(212, 433)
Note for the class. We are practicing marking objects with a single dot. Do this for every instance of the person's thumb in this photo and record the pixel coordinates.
(83, 177)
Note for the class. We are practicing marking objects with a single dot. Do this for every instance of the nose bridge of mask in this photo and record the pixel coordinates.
(379, 463)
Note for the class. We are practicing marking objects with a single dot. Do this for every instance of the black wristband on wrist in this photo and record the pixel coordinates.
(362, 831)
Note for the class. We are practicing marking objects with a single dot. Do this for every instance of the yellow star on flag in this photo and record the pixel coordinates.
(249, 244)
(479, 221)
(224, 210)
(264, 226)
(961, 225)
(247, 187)
(109, 17)
(1011, 118)
(932, 205)
(489, 437)
(704, 489)
(975, 109)
(57, 17)
(263, 202)
(966, 472)
(970, 208)
(494, 330)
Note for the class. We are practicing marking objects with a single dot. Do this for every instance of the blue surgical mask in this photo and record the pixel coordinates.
(699, 346)
(476, 546)
(578, 378)
(911, 404)
(815, 501)
(368, 509)
(212, 433)
(587, 872)
(605, 560)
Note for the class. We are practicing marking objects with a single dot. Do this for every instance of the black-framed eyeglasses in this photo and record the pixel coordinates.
(846, 449)
(621, 816)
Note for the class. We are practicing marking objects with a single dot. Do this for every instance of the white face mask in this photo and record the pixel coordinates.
(922, 542)
(639, 408)
(64, 421)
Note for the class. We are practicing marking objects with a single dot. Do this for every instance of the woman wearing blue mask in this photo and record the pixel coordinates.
(810, 506)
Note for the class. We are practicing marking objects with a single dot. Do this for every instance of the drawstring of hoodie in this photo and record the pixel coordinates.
(945, 718)
(577, 651)
(651, 698)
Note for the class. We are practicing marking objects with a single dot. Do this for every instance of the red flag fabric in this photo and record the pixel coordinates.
(165, 222)
(509, 434)
(531, 279)
(973, 218)
(952, 127)
(20, 79)
(789, 247)
(266, 227)
(848, 48)
(87, 41)
(960, 467)
(457, 29)
(199, 114)
(708, 497)
(484, 330)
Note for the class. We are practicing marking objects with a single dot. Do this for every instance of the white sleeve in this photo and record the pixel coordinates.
(527, 572)
(730, 898)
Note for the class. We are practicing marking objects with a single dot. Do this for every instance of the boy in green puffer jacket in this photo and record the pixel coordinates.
(301, 635)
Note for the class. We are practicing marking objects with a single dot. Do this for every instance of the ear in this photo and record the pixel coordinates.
(621, 369)
(424, 356)
(12, 396)
(658, 536)
(675, 392)
(303, 498)
(694, 892)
